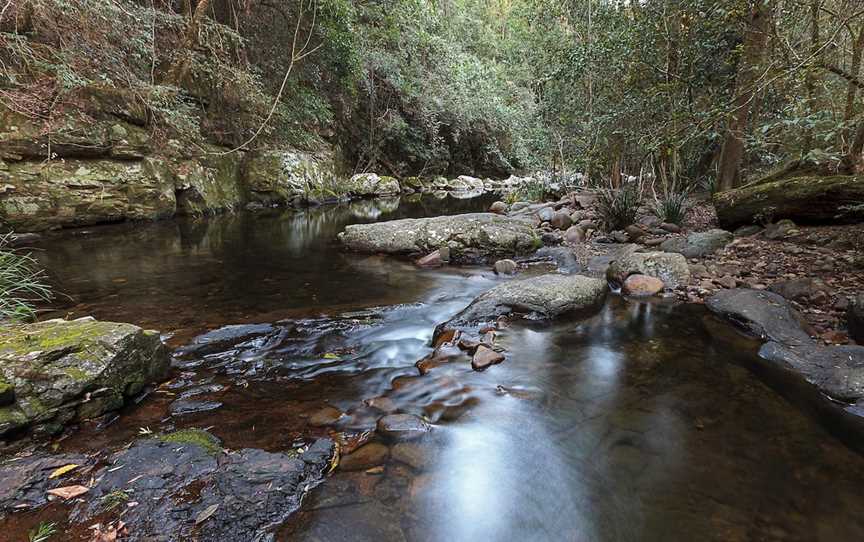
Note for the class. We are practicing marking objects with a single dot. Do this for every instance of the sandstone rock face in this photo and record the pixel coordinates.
(547, 296)
(671, 268)
(37, 196)
(62, 371)
(468, 236)
(277, 177)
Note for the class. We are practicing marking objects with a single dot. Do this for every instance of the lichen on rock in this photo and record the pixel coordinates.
(65, 370)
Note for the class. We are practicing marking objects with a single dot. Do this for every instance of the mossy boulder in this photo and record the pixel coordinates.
(371, 184)
(65, 370)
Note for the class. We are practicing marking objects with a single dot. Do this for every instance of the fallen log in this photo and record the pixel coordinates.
(809, 199)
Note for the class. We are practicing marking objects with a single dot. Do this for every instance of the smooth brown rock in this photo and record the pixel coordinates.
(574, 235)
(402, 426)
(561, 220)
(433, 259)
(485, 357)
(642, 285)
(365, 457)
(409, 453)
(325, 416)
(499, 208)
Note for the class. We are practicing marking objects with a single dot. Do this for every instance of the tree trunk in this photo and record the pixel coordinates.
(804, 199)
(855, 138)
(746, 82)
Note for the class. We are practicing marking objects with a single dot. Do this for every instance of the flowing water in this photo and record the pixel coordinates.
(641, 422)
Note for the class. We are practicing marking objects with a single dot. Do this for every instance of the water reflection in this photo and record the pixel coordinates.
(234, 268)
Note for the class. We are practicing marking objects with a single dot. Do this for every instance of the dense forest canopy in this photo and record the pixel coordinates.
(699, 92)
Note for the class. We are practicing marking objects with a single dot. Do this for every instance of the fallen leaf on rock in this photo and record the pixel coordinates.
(68, 492)
(109, 534)
(63, 470)
(206, 513)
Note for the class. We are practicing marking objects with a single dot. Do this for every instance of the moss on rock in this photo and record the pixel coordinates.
(81, 367)
(195, 437)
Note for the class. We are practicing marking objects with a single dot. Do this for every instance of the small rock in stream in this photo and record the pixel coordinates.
(402, 426)
(485, 357)
(190, 406)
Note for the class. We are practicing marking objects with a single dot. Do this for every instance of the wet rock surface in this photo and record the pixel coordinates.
(402, 426)
(57, 371)
(837, 371)
(468, 236)
(24, 481)
(185, 491)
(855, 319)
(545, 296)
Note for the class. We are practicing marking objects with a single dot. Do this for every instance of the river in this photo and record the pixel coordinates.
(642, 422)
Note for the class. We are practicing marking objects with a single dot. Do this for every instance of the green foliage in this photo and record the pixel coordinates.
(22, 283)
(672, 208)
(115, 498)
(42, 532)
(618, 207)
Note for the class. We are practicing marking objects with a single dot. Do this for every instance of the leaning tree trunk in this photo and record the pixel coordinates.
(755, 40)
(803, 199)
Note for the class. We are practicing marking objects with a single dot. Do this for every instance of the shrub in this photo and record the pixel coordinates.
(618, 207)
(22, 283)
(672, 208)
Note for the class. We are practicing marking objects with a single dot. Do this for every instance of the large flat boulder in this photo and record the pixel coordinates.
(545, 296)
(61, 371)
(835, 371)
(468, 236)
(766, 315)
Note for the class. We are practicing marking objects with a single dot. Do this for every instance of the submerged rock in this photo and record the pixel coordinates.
(367, 456)
(699, 244)
(63, 370)
(546, 296)
(478, 234)
(485, 357)
(402, 426)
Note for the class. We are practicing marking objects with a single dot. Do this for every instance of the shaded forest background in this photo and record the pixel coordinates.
(703, 93)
